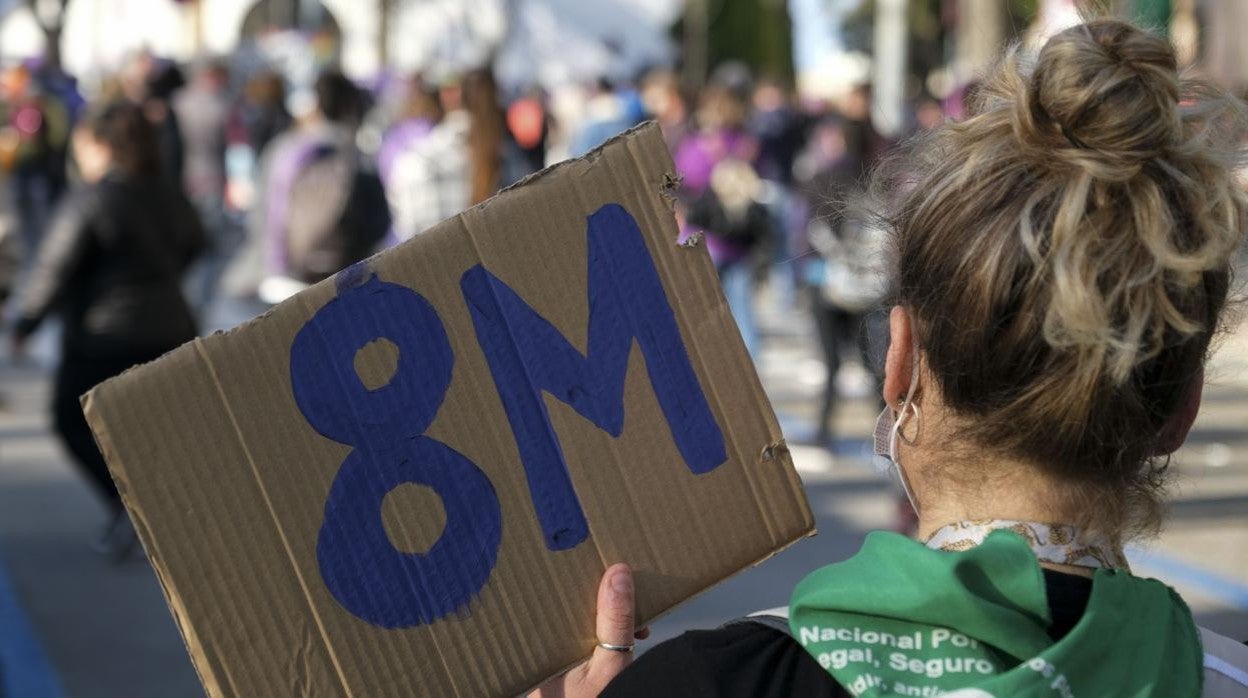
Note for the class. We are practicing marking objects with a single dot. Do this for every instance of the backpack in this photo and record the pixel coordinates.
(337, 213)
(853, 253)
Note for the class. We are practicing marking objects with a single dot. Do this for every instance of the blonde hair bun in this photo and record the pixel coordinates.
(1110, 90)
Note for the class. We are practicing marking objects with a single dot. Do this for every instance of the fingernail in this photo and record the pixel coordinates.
(622, 583)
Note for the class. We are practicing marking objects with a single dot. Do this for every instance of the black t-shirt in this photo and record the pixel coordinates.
(751, 660)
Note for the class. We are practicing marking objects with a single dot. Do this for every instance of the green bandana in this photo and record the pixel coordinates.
(900, 619)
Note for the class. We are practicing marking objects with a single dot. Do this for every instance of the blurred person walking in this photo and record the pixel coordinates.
(111, 267)
(202, 111)
(529, 126)
(419, 114)
(780, 130)
(665, 102)
(255, 120)
(864, 144)
(10, 253)
(10, 245)
(459, 164)
(260, 115)
(150, 82)
(845, 278)
(487, 136)
(607, 113)
(34, 139)
(320, 205)
(721, 191)
(423, 160)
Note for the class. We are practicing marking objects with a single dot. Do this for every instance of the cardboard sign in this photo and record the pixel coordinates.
(408, 480)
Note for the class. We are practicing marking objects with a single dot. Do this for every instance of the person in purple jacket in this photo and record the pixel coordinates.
(720, 192)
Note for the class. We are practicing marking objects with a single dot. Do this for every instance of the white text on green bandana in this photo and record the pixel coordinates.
(899, 619)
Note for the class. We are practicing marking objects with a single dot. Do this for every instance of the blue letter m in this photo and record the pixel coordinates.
(527, 356)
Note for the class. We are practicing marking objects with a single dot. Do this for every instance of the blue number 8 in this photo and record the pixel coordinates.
(361, 567)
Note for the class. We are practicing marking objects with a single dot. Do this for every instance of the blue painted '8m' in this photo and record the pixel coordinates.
(528, 358)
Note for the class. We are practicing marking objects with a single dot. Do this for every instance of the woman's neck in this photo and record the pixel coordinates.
(999, 489)
(954, 482)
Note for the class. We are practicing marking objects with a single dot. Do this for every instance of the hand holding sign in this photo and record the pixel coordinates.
(615, 626)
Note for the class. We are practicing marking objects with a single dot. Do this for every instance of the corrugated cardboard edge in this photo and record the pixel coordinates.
(103, 440)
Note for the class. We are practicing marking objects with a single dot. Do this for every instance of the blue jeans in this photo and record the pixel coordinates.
(739, 291)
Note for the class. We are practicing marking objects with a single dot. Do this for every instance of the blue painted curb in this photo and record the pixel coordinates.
(24, 669)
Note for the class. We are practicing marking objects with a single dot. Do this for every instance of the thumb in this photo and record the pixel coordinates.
(616, 623)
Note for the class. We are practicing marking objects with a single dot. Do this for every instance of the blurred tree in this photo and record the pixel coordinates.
(1024, 11)
(925, 20)
(50, 15)
(384, 10)
(693, 29)
(1154, 14)
(932, 26)
(755, 32)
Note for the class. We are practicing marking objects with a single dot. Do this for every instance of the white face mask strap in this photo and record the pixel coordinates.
(907, 406)
(892, 453)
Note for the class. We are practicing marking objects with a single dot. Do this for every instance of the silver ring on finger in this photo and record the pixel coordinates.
(615, 648)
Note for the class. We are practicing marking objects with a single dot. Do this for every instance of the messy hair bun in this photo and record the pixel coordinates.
(1065, 251)
(1111, 91)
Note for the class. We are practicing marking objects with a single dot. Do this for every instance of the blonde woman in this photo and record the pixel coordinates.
(1061, 266)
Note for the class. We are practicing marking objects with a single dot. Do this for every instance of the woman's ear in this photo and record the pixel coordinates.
(1174, 431)
(898, 366)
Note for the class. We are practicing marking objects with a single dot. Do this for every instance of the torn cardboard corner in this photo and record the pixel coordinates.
(408, 480)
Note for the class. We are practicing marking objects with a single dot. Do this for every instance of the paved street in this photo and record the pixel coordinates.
(73, 624)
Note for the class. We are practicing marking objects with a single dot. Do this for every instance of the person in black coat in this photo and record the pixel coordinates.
(111, 267)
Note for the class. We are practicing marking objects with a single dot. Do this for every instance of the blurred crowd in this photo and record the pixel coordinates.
(129, 214)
